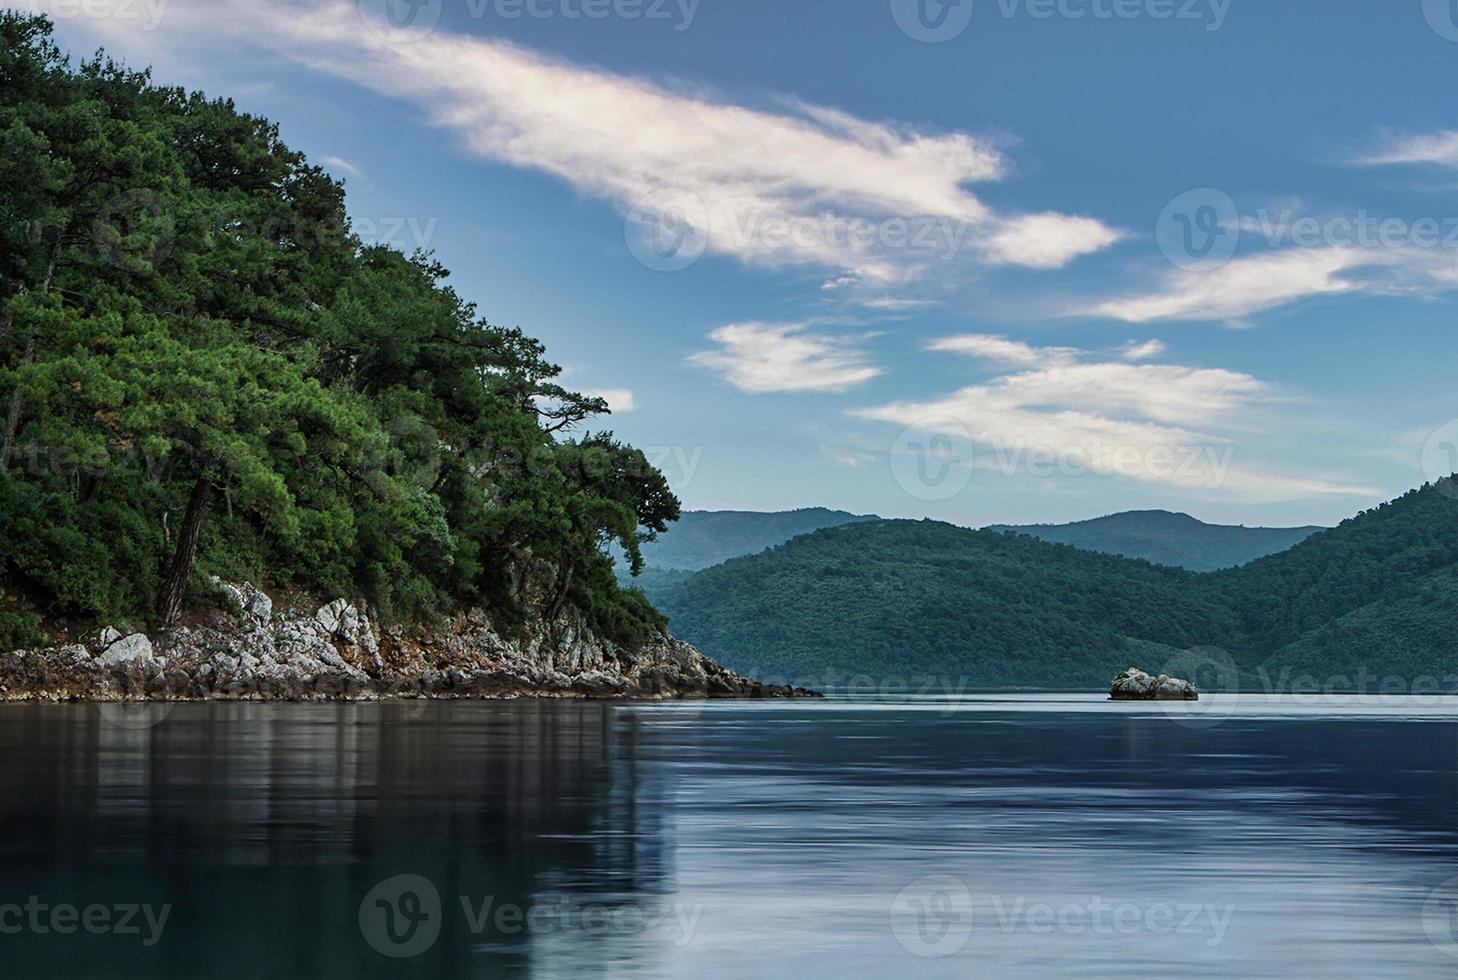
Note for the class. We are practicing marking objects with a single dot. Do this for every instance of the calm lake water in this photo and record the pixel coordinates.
(975, 836)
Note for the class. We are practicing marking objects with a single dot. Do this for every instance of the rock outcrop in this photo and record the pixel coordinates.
(1135, 685)
(335, 652)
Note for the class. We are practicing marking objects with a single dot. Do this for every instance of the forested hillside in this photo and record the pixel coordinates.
(1171, 539)
(903, 599)
(203, 370)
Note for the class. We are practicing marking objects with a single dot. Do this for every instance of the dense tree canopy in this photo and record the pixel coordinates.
(202, 369)
(1375, 598)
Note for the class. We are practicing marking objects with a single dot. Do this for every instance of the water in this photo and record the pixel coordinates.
(996, 836)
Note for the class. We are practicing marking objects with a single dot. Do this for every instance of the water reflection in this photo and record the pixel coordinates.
(569, 839)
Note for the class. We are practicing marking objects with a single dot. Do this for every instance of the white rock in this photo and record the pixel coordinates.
(331, 617)
(108, 636)
(1135, 685)
(260, 605)
(130, 649)
(231, 591)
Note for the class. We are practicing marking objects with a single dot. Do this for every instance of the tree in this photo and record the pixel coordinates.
(201, 366)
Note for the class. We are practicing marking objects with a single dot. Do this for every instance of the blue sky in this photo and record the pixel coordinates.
(1073, 257)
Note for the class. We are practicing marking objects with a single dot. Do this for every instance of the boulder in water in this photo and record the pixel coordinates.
(1135, 685)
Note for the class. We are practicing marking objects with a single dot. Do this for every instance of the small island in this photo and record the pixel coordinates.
(1135, 685)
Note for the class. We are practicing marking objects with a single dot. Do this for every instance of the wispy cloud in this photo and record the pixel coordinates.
(1439, 149)
(1240, 288)
(1140, 421)
(339, 163)
(784, 357)
(795, 185)
(1149, 349)
(1268, 280)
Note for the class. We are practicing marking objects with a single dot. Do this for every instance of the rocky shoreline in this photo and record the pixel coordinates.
(334, 653)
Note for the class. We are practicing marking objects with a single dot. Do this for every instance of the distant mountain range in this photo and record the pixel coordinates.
(702, 538)
(1164, 538)
(1373, 598)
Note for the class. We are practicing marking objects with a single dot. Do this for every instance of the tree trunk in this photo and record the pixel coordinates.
(174, 587)
(561, 599)
(12, 417)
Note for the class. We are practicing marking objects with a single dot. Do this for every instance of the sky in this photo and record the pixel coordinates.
(995, 261)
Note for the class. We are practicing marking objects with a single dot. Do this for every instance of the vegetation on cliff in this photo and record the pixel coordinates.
(202, 369)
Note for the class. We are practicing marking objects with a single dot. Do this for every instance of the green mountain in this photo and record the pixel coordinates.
(702, 538)
(1164, 538)
(930, 600)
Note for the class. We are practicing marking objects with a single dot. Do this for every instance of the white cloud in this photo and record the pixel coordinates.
(989, 347)
(1241, 287)
(768, 357)
(1138, 421)
(339, 163)
(1439, 148)
(800, 185)
(1048, 241)
(1271, 279)
(1150, 349)
(620, 400)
